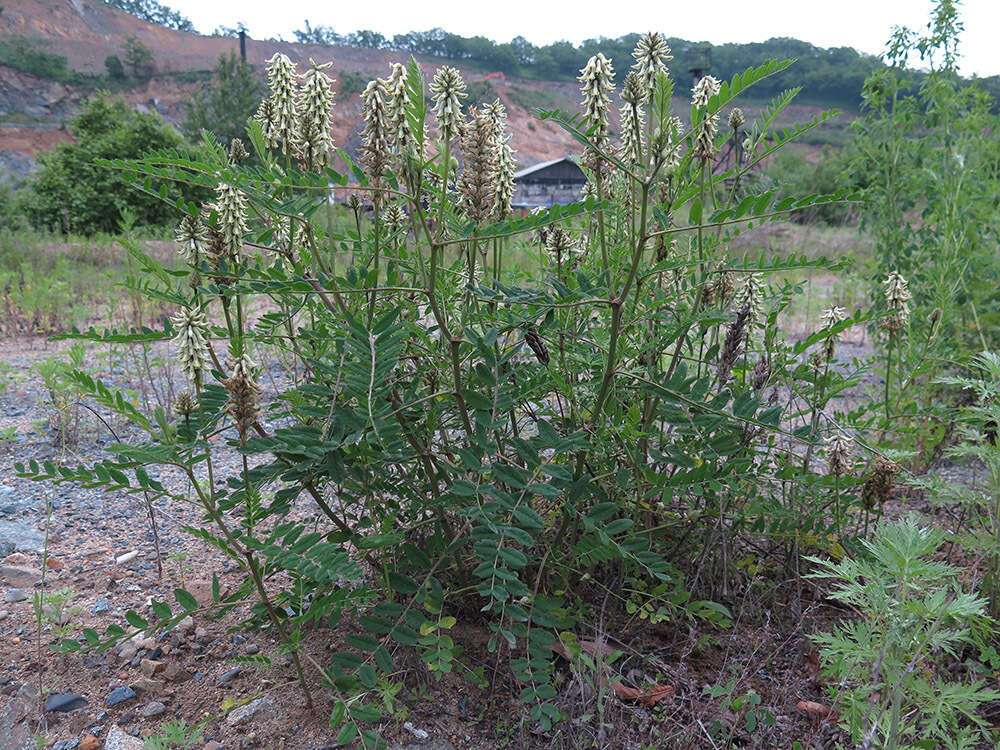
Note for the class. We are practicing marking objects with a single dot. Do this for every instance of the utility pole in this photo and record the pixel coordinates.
(243, 45)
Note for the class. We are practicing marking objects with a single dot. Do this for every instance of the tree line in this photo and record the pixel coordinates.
(828, 76)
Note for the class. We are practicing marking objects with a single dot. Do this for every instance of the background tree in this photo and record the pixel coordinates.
(154, 12)
(138, 57)
(225, 105)
(114, 66)
(70, 193)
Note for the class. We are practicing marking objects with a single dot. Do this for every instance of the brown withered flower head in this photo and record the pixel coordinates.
(244, 393)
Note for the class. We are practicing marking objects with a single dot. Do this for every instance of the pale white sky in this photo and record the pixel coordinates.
(862, 24)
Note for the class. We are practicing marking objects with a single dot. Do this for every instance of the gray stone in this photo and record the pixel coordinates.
(244, 714)
(119, 740)
(151, 709)
(23, 535)
(229, 676)
(64, 702)
(15, 733)
(65, 744)
(101, 605)
(432, 745)
(15, 595)
(119, 695)
(3, 614)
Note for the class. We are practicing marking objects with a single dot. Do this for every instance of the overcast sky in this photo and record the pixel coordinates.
(862, 24)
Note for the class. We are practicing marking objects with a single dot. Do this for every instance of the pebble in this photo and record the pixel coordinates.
(186, 624)
(151, 709)
(66, 745)
(243, 714)
(15, 595)
(64, 702)
(119, 695)
(101, 605)
(229, 676)
(253, 648)
(201, 634)
(127, 557)
(119, 740)
(90, 742)
(149, 685)
(3, 614)
(150, 668)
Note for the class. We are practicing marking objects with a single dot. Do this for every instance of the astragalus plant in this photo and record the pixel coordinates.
(468, 435)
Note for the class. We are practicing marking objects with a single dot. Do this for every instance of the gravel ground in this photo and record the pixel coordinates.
(101, 553)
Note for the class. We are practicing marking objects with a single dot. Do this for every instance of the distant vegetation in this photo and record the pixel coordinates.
(28, 56)
(830, 77)
(154, 12)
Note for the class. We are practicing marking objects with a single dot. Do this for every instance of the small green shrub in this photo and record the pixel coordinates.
(27, 55)
(350, 83)
(71, 193)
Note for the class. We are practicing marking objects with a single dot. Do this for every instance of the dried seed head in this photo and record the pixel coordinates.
(877, 488)
(377, 133)
(232, 207)
(761, 374)
(447, 92)
(838, 455)
(897, 302)
(191, 236)
(315, 104)
(722, 289)
(736, 119)
(185, 405)
(534, 341)
(237, 151)
(504, 167)
(281, 79)
(243, 395)
(597, 82)
(704, 90)
(354, 202)
(651, 54)
(733, 346)
(476, 183)
(192, 343)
